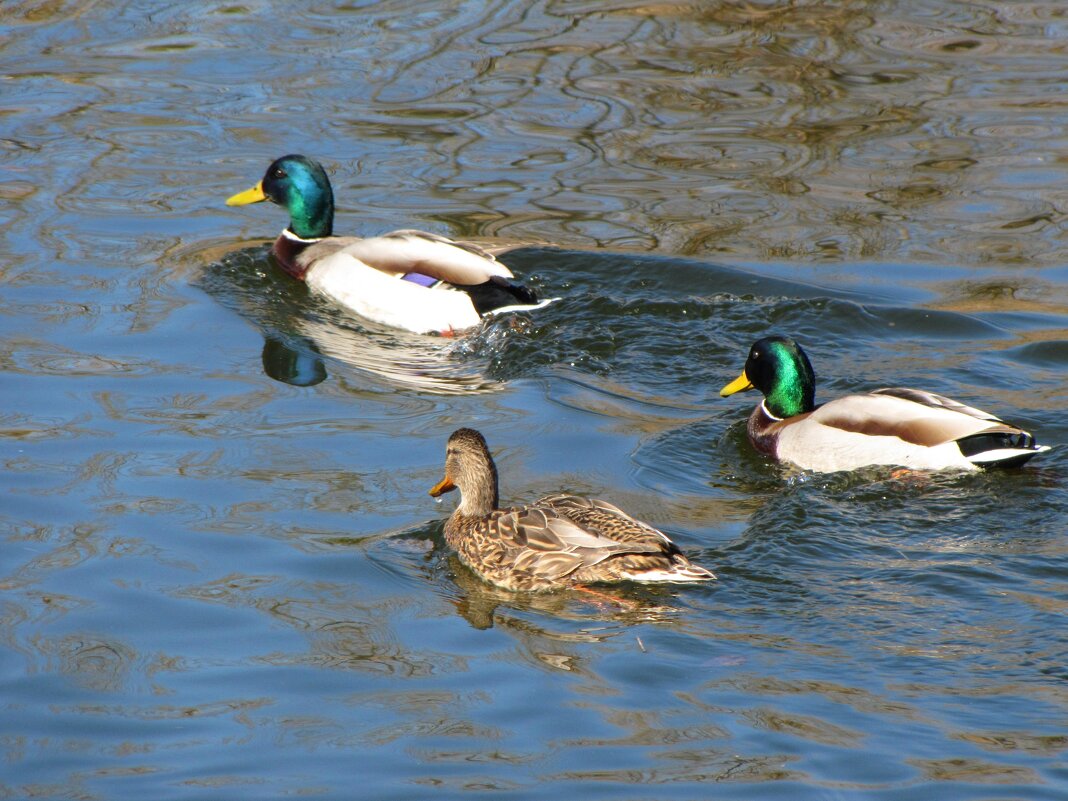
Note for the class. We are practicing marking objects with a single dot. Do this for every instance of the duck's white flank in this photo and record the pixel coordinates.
(826, 449)
(860, 430)
(379, 296)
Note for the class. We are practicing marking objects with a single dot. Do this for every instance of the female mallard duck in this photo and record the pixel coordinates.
(406, 279)
(558, 541)
(906, 427)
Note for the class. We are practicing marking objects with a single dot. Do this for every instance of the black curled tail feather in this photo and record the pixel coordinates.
(498, 292)
(1013, 448)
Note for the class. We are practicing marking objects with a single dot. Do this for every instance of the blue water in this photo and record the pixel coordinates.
(221, 573)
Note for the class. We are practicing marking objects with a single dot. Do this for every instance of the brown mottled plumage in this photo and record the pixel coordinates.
(558, 541)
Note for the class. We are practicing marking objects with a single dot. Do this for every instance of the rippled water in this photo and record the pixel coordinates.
(221, 575)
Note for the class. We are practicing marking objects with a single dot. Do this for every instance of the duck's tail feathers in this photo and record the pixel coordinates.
(1000, 449)
(498, 295)
(678, 573)
(541, 304)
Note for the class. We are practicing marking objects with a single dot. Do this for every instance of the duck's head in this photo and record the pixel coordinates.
(469, 467)
(298, 184)
(782, 372)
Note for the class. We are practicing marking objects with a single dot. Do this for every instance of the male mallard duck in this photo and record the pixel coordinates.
(558, 541)
(907, 427)
(406, 279)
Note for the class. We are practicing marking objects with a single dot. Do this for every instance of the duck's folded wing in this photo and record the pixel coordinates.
(935, 401)
(553, 546)
(605, 518)
(402, 252)
(914, 416)
(470, 247)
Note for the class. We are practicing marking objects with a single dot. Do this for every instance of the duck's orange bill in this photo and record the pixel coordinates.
(253, 195)
(739, 384)
(442, 487)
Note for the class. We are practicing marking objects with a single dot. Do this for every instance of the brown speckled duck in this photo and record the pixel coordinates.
(557, 541)
(910, 428)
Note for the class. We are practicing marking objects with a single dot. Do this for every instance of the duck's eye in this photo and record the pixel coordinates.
(278, 172)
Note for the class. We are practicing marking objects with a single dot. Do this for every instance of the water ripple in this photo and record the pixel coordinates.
(220, 566)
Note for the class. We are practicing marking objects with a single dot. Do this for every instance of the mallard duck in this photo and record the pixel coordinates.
(903, 427)
(558, 541)
(406, 279)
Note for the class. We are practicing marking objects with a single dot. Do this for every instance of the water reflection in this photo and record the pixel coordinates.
(213, 581)
(483, 606)
(301, 366)
(101, 665)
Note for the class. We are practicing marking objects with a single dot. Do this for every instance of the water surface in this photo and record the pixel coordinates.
(221, 573)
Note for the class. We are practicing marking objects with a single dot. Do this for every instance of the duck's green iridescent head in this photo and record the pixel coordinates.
(298, 184)
(782, 372)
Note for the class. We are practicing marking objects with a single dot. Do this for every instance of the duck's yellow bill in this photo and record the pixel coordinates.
(739, 384)
(253, 195)
(442, 487)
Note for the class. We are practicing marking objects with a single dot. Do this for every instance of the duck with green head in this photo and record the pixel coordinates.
(407, 279)
(896, 426)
